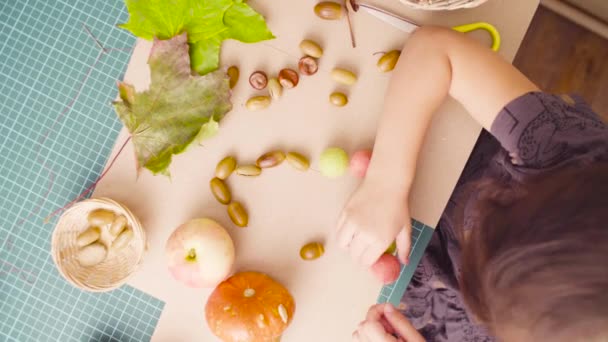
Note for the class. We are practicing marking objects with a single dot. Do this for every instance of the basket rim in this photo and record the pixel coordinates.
(136, 226)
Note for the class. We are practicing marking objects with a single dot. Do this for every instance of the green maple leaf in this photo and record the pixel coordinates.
(207, 22)
(209, 130)
(167, 117)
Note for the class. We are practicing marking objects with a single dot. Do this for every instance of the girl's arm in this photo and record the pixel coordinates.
(434, 63)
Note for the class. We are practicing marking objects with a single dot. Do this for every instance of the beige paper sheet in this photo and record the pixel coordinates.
(288, 208)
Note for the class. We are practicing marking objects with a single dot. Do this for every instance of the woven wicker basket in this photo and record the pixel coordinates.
(118, 265)
(437, 5)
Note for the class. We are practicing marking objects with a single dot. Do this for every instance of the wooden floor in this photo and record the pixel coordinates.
(562, 57)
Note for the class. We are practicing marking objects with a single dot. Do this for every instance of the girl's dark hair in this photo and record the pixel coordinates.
(537, 260)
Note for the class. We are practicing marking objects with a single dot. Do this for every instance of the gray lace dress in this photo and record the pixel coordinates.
(535, 133)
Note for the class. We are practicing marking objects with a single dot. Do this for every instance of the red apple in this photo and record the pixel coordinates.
(200, 253)
(359, 162)
(387, 268)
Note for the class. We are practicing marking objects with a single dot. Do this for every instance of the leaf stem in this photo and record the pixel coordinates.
(91, 187)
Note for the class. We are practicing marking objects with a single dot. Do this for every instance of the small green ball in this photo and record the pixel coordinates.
(333, 162)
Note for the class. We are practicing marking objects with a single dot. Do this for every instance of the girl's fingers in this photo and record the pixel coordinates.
(373, 331)
(402, 325)
(387, 326)
(376, 313)
(345, 234)
(404, 242)
(359, 335)
(357, 247)
(356, 336)
(372, 253)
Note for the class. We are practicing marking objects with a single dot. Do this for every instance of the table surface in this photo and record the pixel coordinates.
(287, 208)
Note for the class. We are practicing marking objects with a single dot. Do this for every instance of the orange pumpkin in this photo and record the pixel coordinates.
(249, 306)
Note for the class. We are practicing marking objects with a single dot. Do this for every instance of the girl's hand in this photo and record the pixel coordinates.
(385, 324)
(373, 217)
(435, 63)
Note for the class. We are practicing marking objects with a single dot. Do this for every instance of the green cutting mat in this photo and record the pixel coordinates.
(59, 61)
(392, 293)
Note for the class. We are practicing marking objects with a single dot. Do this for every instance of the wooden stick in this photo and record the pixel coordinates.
(350, 27)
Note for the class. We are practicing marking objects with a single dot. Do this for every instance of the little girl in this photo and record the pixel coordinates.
(521, 251)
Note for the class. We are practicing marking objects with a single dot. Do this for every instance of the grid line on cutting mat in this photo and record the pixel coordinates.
(57, 128)
(421, 236)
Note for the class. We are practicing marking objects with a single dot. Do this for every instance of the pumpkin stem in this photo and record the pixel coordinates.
(191, 255)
